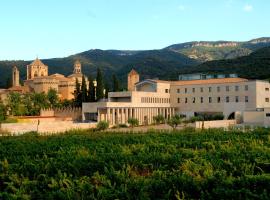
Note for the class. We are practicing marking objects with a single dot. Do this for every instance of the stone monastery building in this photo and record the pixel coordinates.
(38, 80)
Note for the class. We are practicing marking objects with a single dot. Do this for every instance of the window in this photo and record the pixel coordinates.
(210, 99)
(193, 90)
(246, 99)
(218, 89)
(166, 90)
(227, 88)
(185, 90)
(236, 99)
(246, 87)
(194, 100)
(267, 89)
(236, 88)
(218, 99)
(186, 100)
(267, 100)
(201, 89)
(210, 89)
(267, 114)
(201, 99)
(178, 90)
(227, 99)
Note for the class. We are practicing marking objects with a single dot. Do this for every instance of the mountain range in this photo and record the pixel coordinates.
(248, 59)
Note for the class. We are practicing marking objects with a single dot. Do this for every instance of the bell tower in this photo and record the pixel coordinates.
(15, 77)
(133, 78)
(77, 67)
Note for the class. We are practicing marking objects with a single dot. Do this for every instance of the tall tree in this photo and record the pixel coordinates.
(116, 84)
(100, 85)
(77, 94)
(91, 96)
(52, 97)
(84, 90)
(107, 89)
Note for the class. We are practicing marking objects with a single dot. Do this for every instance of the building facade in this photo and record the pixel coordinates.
(39, 80)
(230, 96)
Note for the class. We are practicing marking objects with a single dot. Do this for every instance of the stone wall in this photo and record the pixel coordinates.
(215, 124)
(74, 114)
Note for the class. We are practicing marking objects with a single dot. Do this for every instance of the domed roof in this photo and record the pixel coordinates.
(37, 62)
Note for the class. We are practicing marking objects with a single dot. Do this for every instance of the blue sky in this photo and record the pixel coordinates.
(59, 28)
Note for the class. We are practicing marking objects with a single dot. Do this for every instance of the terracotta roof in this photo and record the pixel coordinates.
(21, 89)
(37, 62)
(133, 72)
(206, 81)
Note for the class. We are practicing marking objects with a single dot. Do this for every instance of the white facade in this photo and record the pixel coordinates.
(227, 96)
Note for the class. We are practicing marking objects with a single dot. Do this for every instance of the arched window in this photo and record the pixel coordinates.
(35, 74)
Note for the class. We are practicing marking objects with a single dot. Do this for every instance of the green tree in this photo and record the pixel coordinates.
(102, 125)
(159, 119)
(91, 90)
(84, 90)
(53, 98)
(107, 89)
(116, 84)
(174, 121)
(133, 122)
(8, 83)
(100, 85)
(3, 113)
(39, 101)
(15, 103)
(77, 94)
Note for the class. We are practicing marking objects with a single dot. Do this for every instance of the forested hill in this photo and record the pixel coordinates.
(150, 64)
(254, 66)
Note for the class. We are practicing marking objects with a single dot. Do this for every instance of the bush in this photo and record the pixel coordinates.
(174, 121)
(133, 122)
(102, 125)
(159, 119)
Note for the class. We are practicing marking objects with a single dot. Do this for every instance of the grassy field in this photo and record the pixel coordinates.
(187, 164)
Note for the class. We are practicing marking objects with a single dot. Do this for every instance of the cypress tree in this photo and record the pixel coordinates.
(100, 85)
(91, 90)
(116, 84)
(106, 89)
(78, 94)
(84, 90)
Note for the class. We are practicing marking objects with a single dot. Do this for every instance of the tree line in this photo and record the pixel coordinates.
(97, 88)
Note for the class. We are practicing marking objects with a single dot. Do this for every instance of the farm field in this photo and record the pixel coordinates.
(186, 164)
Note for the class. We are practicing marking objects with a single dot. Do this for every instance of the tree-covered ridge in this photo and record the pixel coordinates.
(187, 164)
(207, 50)
(254, 66)
(156, 63)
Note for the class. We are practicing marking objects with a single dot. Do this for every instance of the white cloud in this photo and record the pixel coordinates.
(181, 7)
(248, 8)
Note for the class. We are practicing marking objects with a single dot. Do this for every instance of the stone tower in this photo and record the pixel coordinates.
(36, 69)
(77, 67)
(133, 78)
(15, 77)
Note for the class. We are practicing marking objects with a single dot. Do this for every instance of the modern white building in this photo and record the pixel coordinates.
(191, 95)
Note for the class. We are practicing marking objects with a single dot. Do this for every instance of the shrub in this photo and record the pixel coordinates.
(122, 126)
(133, 122)
(174, 121)
(159, 119)
(102, 125)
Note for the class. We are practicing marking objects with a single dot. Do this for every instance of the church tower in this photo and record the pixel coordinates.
(15, 77)
(77, 67)
(133, 78)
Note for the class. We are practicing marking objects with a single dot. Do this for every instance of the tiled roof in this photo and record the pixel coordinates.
(206, 81)
(37, 62)
(133, 72)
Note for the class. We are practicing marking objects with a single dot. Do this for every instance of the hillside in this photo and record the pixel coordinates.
(207, 50)
(254, 66)
(154, 63)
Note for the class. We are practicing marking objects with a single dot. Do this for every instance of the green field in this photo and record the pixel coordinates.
(188, 164)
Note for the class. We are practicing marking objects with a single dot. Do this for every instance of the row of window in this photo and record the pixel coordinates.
(210, 89)
(211, 99)
(154, 100)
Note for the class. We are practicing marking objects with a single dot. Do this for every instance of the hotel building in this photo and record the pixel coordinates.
(191, 95)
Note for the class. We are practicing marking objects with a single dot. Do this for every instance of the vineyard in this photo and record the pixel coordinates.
(187, 164)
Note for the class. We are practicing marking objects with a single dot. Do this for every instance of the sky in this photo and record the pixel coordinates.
(59, 28)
